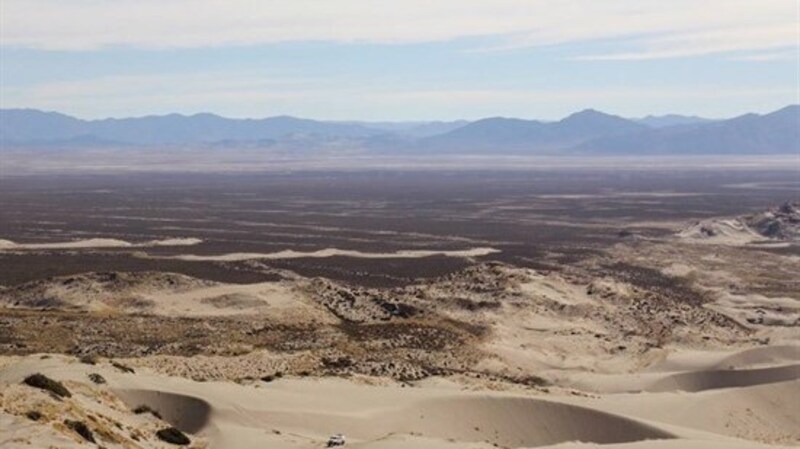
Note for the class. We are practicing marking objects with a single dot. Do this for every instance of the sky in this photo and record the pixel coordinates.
(399, 60)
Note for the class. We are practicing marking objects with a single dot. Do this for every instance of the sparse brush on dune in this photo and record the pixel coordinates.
(45, 383)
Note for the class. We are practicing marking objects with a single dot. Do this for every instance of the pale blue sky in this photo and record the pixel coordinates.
(411, 60)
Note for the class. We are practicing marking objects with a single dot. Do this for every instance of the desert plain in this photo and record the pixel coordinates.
(513, 308)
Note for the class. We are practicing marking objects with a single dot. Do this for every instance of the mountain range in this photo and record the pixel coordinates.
(587, 132)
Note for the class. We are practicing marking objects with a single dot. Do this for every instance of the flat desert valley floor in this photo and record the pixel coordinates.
(428, 308)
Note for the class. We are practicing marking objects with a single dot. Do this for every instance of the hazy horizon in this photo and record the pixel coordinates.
(349, 60)
(409, 121)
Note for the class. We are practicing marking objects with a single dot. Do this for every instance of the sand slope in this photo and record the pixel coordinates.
(293, 413)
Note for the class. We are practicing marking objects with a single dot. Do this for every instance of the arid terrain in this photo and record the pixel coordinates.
(437, 309)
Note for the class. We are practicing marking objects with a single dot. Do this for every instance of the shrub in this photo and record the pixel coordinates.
(96, 378)
(43, 382)
(534, 381)
(123, 368)
(81, 429)
(271, 377)
(33, 415)
(173, 436)
(146, 409)
(340, 362)
(89, 359)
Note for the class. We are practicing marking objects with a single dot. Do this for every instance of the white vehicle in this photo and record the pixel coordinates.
(336, 440)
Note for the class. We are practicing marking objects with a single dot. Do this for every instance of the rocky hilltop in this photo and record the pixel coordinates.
(778, 224)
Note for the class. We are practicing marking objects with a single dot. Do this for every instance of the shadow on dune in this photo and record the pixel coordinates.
(770, 354)
(516, 422)
(187, 413)
(714, 379)
(503, 421)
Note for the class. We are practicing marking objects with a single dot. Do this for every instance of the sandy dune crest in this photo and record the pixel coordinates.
(97, 243)
(333, 252)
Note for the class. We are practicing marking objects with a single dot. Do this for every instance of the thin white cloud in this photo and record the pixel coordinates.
(769, 56)
(709, 42)
(685, 27)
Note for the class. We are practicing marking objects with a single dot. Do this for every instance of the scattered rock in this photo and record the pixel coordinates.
(780, 223)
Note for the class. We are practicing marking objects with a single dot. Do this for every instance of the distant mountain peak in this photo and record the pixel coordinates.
(792, 109)
(588, 112)
(588, 131)
(593, 115)
(667, 120)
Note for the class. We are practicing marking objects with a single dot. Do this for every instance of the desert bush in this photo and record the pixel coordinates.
(81, 429)
(96, 378)
(123, 368)
(146, 409)
(33, 415)
(339, 362)
(534, 381)
(43, 382)
(173, 436)
(89, 359)
(271, 377)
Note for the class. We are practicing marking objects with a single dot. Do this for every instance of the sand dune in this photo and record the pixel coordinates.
(714, 379)
(668, 444)
(295, 413)
(316, 408)
(696, 371)
(332, 252)
(768, 413)
(517, 422)
(165, 294)
(445, 416)
(96, 243)
(761, 355)
(233, 299)
(618, 368)
(687, 360)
